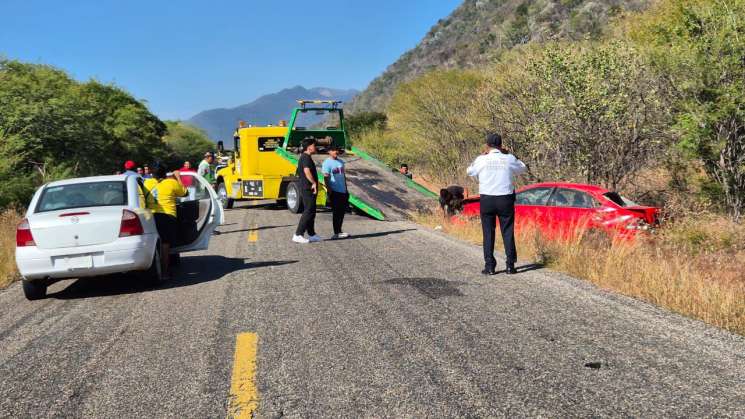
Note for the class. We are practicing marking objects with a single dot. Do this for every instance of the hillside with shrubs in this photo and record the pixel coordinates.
(479, 32)
(653, 107)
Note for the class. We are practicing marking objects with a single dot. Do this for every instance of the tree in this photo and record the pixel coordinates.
(699, 47)
(428, 116)
(588, 111)
(52, 126)
(186, 143)
(358, 123)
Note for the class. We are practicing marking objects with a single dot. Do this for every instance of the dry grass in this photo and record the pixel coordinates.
(692, 267)
(8, 221)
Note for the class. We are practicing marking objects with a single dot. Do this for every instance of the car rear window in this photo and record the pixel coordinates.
(80, 195)
(620, 200)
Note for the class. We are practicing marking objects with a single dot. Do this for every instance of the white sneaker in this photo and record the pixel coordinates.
(300, 239)
(315, 239)
(341, 235)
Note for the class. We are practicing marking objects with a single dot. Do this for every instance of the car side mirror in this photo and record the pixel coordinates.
(220, 147)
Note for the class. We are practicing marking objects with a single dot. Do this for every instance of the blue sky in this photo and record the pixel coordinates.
(186, 56)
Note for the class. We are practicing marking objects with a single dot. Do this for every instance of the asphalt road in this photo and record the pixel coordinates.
(394, 322)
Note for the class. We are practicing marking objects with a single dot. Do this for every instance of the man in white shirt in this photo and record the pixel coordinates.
(495, 171)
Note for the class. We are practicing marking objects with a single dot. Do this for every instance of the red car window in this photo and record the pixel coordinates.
(572, 198)
(535, 196)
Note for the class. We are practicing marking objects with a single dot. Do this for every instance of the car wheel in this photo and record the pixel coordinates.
(222, 194)
(154, 275)
(34, 290)
(294, 203)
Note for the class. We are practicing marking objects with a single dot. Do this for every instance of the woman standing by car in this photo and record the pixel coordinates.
(162, 201)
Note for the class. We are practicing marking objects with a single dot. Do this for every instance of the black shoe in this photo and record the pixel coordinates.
(510, 270)
(489, 271)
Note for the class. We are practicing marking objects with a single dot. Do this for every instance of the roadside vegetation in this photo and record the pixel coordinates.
(54, 127)
(688, 268)
(9, 219)
(653, 108)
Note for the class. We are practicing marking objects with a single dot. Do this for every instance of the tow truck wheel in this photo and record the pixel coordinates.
(222, 194)
(294, 203)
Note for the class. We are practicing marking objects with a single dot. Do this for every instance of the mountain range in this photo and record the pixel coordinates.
(479, 31)
(269, 109)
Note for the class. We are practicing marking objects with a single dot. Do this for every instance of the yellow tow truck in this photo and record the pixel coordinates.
(264, 161)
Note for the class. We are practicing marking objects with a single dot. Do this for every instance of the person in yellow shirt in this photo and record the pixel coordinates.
(163, 195)
(150, 183)
(145, 193)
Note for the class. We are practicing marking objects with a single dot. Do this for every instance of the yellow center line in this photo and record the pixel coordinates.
(253, 233)
(244, 396)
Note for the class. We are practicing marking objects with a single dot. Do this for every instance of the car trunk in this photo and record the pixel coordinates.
(649, 214)
(76, 227)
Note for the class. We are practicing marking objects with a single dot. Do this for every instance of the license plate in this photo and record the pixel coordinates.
(76, 262)
(253, 188)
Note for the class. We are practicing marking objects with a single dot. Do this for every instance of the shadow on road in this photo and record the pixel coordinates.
(525, 268)
(272, 206)
(433, 288)
(380, 234)
(256, 229)
(192, 271)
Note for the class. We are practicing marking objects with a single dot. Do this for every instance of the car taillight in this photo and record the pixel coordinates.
(638, 224)
(131, 225)
(23, 235)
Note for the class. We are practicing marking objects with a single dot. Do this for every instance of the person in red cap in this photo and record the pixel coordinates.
(129, 168)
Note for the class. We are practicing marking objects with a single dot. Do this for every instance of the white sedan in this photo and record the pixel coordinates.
(99, 225)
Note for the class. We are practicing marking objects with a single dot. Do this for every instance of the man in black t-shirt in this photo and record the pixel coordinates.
(306, 171)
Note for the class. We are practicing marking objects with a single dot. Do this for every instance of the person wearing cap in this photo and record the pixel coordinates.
(129, 168)
(334, 176)
(205, 167)
(495, 171)
(306, 171)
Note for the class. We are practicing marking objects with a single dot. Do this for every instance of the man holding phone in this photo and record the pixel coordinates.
(495, 171)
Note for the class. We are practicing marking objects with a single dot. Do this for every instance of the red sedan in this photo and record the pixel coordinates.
(557, 207)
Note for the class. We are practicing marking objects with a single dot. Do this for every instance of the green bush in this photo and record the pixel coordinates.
(53, 127)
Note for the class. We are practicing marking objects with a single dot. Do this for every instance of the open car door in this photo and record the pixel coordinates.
(199, 214)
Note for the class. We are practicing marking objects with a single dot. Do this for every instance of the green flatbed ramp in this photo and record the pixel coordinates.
(375, 189)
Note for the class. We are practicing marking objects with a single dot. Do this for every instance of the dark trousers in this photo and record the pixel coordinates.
(502, 207)
(308, 219)
(339, 203)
